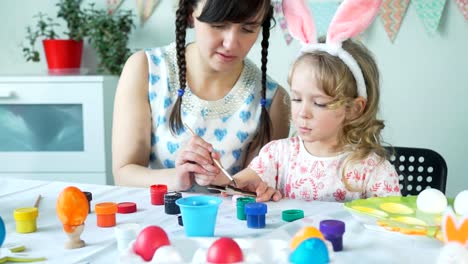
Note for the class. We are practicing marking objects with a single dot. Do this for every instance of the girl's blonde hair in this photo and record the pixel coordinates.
(359, 136)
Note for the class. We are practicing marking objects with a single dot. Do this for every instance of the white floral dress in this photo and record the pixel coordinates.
(286, 165)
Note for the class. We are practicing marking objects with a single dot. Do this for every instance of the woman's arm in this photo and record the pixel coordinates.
(131, 137)
(131, 131)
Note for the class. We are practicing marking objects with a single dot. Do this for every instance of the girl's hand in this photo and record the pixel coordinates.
(266, 193)
(195, 160)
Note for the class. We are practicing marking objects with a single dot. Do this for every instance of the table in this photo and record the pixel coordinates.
(361, 244)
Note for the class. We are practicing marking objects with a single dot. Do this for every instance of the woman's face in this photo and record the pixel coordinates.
(224, 45)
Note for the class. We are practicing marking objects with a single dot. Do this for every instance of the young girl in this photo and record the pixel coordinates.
(336, 155)
(209, 85)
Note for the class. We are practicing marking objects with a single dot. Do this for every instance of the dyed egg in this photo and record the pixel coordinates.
(167, 254)
(305, 233)
(199, 256)
(224, 250)
(2, 231)
(461, 203)
(311, 251)
(149, 240)
(72, 208)
(431, 201)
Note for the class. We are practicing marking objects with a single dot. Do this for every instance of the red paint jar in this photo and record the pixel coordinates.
(157, 193)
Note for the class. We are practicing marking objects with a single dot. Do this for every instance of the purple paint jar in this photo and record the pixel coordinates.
(333, 231)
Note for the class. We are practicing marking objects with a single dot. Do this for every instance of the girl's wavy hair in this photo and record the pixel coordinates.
(362, 135)
(214, 11)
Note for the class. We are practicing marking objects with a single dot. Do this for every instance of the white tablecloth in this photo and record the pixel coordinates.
(361, 244)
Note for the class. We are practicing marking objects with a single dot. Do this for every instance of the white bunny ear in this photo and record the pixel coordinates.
(352, 18)
(300, 22)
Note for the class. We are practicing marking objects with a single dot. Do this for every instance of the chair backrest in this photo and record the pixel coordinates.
(418, 169)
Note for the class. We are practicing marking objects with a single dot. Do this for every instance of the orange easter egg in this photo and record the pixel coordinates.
(305, 233)
(72, 208)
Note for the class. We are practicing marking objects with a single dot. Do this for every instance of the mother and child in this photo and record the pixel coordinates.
(240, 115)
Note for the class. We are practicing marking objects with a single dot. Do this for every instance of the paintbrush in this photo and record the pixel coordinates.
(215, 161)
(38, 200)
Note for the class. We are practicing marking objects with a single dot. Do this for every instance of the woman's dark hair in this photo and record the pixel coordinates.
(235, 11)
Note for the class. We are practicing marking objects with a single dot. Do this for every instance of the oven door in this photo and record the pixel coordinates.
(51, 127)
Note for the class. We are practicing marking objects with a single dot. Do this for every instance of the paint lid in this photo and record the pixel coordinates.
(332, 228)
(105, 208)
(89, 196)
(25, 213)
(126, 208)
(255, 209)
(180, 221)
(292, 215)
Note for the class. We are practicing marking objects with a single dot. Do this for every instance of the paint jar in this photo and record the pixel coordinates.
(333, 231)
(170, 206)
(255, 213)
(240, 203)
(157, 193)
(125, 234)
(89, 197)
(105, 213)
(26, 219)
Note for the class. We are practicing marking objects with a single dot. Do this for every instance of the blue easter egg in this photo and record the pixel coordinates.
(310, 251)
(2, 231)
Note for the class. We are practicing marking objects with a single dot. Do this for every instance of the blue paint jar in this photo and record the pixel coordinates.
(255, 214)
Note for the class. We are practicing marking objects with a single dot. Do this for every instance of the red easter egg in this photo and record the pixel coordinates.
(224, 250)
(149, 240)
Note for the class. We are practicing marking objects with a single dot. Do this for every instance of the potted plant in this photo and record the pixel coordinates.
(60, 53)
(107, 32)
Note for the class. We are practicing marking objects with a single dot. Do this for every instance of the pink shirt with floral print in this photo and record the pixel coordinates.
(287, 166)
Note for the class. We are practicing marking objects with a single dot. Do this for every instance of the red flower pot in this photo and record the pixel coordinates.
(63, 53)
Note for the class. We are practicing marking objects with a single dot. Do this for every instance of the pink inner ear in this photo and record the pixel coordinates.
(352, 18)
(299, 19)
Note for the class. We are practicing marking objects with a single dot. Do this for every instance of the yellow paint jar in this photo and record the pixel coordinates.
(26, 219)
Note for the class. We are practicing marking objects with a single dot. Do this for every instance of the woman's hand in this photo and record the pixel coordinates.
(194, 162)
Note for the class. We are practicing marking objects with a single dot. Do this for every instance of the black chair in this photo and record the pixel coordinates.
(418, 169)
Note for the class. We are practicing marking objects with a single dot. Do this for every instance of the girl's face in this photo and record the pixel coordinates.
(318, 126)
(224, 45)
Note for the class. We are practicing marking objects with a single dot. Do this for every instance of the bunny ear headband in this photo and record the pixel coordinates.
(351, 18)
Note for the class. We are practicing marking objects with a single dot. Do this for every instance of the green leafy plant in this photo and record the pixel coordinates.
(107, 32)
(108, 35)
(70, 12)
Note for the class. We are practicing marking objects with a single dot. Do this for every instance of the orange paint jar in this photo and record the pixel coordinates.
(105, 213)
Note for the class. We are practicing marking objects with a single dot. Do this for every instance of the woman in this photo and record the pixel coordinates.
(208, 85)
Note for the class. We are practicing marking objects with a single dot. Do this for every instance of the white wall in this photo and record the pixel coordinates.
(424, 78)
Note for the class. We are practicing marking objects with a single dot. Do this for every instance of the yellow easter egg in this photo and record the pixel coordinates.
(303, 234)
